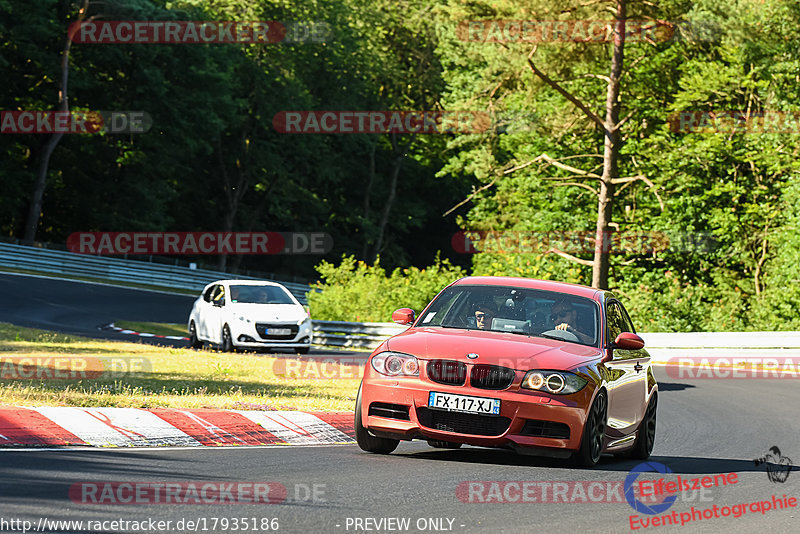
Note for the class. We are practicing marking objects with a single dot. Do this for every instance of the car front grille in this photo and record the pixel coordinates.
(447, 372)
(463, 423)
(545, 429)
(390, 411)
(491, 377)
(261, 328)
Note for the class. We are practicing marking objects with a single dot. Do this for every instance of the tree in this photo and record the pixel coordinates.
(32, 221)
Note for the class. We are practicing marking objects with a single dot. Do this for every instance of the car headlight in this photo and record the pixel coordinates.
(395, 364)
(557, 382)
(305, 321)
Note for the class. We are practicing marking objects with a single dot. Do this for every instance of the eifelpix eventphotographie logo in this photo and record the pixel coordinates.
(778, 466)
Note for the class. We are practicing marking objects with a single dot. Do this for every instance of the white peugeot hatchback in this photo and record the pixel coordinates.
(249, 314)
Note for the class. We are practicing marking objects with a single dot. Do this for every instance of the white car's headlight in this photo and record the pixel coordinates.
(305, 321)
(395, 364)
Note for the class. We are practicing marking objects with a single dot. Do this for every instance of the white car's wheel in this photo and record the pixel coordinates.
(227, 340)
(194, 341)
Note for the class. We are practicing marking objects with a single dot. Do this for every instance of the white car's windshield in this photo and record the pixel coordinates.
(516, 310)
(259, 295)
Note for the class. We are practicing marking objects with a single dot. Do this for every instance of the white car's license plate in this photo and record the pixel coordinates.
(463, 403)
(279, 331)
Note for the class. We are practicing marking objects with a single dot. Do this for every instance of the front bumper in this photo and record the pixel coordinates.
(525, 421)
(251, 335)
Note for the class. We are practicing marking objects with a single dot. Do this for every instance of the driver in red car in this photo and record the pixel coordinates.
(484, 316)
(564, 316)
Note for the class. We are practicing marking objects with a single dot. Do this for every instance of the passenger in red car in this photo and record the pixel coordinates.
(484, 316)
(564, 316)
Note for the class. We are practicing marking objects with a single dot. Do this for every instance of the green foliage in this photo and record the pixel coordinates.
(355, 291)
(213, 161)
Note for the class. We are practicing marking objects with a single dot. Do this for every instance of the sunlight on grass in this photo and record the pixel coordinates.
(160, 329)
(113, 373)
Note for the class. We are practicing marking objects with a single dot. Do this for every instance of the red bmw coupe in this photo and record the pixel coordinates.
(544, 368)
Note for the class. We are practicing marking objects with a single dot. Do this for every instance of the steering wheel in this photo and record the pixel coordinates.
(563, 334)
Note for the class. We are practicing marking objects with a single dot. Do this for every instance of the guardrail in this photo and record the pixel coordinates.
(120, 270)
(353, 335)
(661, 346)
(665, 346)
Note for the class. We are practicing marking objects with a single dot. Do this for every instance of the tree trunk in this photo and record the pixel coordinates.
(367, 193)
(605, 204)
(399, 154)
(234, 191)
(40, 181)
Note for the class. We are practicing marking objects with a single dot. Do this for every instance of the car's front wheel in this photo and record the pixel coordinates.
(594, 432)
(227, 340)
(365, 440)
(194, 341)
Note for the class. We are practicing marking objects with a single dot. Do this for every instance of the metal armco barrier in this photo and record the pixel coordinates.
(353, 335)
(119, 270)
(665, 346)
(661, 346)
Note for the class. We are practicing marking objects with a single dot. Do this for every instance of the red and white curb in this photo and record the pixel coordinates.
(165, 427)
(112, 326)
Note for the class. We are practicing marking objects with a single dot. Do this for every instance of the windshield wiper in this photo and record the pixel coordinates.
(549, 336)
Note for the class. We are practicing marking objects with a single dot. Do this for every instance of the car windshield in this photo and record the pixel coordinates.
(259, 295)
(517, 310)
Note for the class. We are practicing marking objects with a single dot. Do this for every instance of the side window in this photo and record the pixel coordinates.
(615, 320)
(627, 319)
(219, 295)
(208, 293)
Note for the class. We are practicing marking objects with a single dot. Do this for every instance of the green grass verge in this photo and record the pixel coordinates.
(160, 329)
(161, 376)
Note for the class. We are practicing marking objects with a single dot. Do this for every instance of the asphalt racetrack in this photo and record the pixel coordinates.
(705, 427)
(74, 307)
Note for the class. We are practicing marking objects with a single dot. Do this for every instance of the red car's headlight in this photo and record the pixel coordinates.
(395, 364)
(556, 382)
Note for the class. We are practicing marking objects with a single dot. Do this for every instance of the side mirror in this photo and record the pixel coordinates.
(404, 316)
(628, 341)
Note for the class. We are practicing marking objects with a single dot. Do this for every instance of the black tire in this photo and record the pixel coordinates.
(302, 350)
(194, 341)
(594, 431)
(365, 440)
(437, 444)
(227, 341)
(646, 435)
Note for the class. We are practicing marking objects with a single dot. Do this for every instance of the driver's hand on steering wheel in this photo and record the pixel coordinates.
(565, 326)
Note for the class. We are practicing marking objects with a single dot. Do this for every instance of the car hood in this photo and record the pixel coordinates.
(495, 348)
(267, 312)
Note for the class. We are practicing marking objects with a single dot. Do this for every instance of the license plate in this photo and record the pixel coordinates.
(279, 331)
(463, 403)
